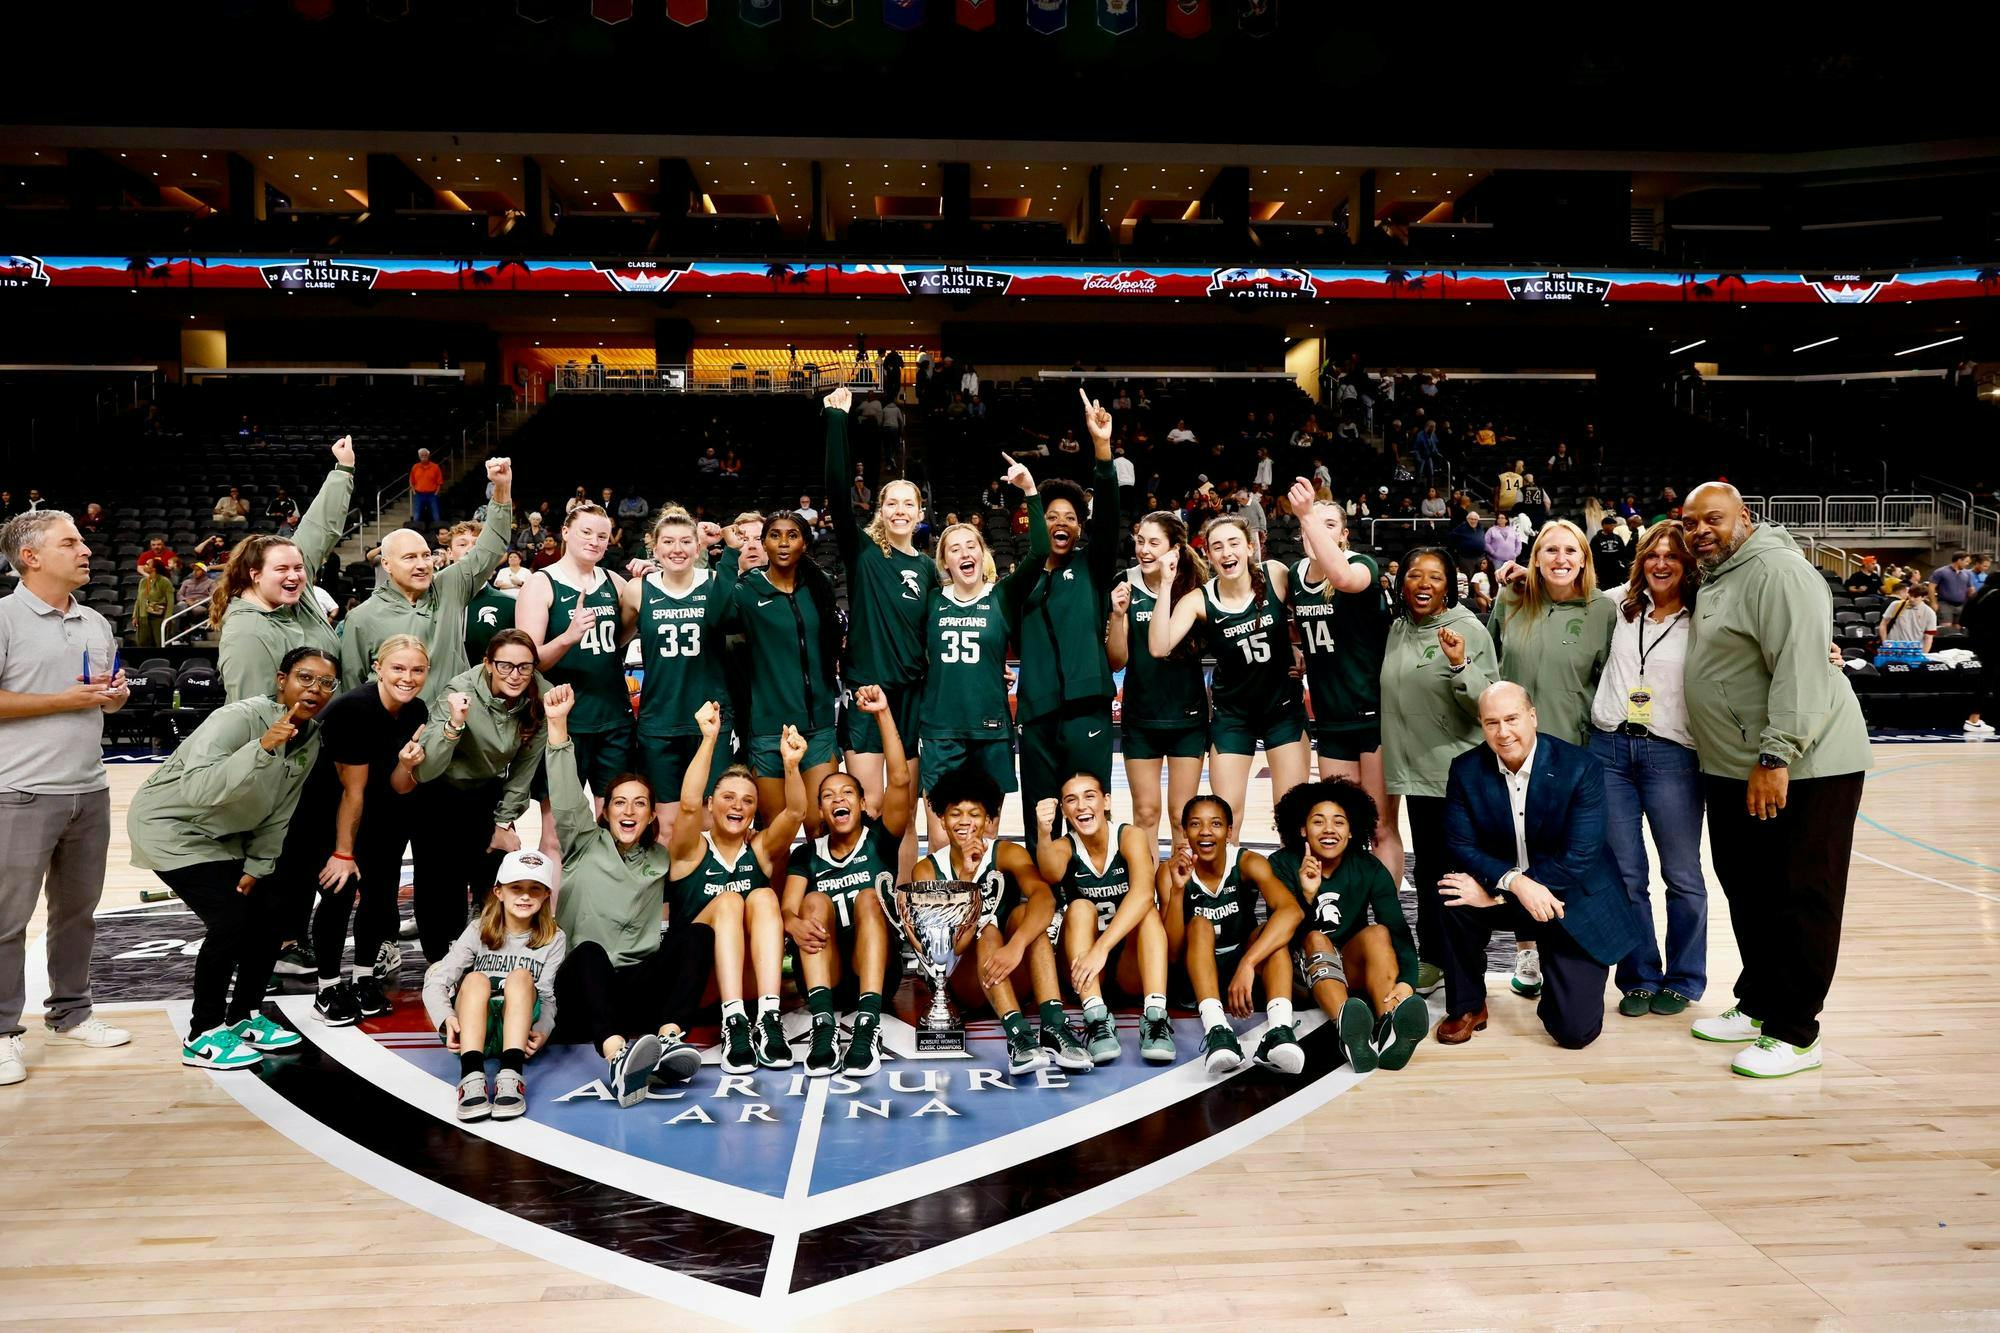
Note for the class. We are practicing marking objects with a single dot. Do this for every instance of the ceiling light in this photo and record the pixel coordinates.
(1927, 346)
(1821, 343)
(1676, 351)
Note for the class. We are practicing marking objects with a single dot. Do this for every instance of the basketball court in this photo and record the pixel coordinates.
(1505, 1182)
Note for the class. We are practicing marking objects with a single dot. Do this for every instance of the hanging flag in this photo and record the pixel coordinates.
(760, 13)
(976, 14)
(903, 15)
(1258, 18)
(1187, 18)
(687, 13)
(611, 11)
(1117, 16)
(1048, 17)
(832, 13)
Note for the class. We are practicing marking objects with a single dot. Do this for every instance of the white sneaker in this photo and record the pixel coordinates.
(13, 1060)
(1980, 728)
(1527, 972)
(1770, 1058)
(93, 1032)
(388, 963)
(1732, 1024)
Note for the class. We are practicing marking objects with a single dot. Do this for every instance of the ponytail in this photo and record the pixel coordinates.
(245, 563)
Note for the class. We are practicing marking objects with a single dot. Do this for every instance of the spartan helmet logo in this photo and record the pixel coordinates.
(911, 588)
(489, 615)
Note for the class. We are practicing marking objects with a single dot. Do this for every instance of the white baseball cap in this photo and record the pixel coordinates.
(527, 864)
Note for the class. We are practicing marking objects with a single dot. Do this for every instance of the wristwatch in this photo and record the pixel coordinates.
(1771, 761)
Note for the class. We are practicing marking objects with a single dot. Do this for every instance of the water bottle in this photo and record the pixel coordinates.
(177, 696)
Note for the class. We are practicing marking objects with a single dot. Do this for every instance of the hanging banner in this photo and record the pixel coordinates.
(1048, 17)
(1258, 18)
(1187, 18)
(611, 11)
(976, 14)
(1118, 17)
(832, 13)
(903, 15)
(760, 13)
(687, 13)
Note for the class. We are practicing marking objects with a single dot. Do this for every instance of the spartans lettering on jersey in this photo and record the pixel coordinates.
(1244, 627)
(914, 1093)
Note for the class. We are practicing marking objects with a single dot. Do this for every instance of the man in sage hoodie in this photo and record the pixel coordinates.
(1783, 750)
(427, 602)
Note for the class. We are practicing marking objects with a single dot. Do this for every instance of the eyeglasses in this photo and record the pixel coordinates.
(513, 670)
(324, 684)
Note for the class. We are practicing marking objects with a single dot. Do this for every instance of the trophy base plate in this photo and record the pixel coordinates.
(940, 1043)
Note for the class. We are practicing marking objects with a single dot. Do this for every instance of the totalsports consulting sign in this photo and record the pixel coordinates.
(320, 275)
(1559, 287)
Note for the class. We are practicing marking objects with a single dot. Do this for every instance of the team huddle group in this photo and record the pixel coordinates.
(671, 880)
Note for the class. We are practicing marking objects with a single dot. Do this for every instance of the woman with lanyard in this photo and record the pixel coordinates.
(1255, 694)
(357, 808)
(971, 622)
(1438, 658)
(1639, 731)
(1164, 719)
(488, 740)
(1343, 630)
(890, 584)
(210, 823)
(1553, 633)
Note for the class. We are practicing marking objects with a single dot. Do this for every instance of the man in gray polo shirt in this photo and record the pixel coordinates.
(56, 684)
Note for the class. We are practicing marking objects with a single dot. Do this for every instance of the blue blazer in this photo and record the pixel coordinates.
(1565, 828)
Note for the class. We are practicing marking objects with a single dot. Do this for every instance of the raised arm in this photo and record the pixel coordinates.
(1326, 560)
(1051, 853)
(694, 784)
(1171, 622)
(784, 825)
(320, 527)
(1118, 628)
(469, 574)
(898, 792)
(1106, 527)
(576, 824)
(1014, 589)
(840, 477)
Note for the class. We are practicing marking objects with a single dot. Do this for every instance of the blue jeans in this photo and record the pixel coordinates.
(424, 508)
(1661, 782)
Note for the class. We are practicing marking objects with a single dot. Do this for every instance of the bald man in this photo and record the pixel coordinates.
(1783, 748)
(423, 600)
(1524, 824)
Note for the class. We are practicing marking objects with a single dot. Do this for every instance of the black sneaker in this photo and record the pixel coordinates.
(1407, 1024)
(773, 1051)
(678, 1063)
(336, 1005)
(738, 1055)
(1025, 1055)
(1280, 1049)
(1221, 1051)
(864, 1048)
(368, 996)
(824, 1057)
(1064, 1049)
(297, 961)
(1357, 1034)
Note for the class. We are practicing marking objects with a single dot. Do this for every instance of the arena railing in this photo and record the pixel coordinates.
(737, 378)
(1863, 515)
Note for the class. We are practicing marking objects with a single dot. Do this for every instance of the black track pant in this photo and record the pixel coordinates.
(450, 828)
(595, 1000)
(241, 940)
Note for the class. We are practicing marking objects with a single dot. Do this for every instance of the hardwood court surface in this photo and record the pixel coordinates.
(1502, 1183)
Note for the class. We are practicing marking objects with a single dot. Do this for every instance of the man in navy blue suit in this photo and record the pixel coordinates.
(1524, 822)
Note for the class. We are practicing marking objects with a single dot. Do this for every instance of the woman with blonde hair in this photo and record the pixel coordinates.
(1553, 634)
(1164, 718)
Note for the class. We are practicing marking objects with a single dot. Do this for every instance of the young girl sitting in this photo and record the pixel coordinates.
(493, 993)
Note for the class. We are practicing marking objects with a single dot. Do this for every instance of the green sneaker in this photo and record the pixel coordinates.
(1357, 1034)
(1768, 1057)
(1060, 1044)
(773, 1051)
(864, 1048)
(1669, 1003)
(1025, 1054)
(1280, 1049)
(1429, 977)
(1406, 1025)
(738, 1055)
(1156, 1039)
(261, 1034)
(1638, 1002)
(219, 1048)
(1100, 1036)
(1221, 1052)
(822, 1058)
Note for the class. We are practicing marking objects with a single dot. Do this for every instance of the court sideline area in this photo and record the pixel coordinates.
(1505, 1182)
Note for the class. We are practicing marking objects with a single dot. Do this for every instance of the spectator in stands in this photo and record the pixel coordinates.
(58, 811)
(1594, 514)
(1502, 542)
(1867, 580)
(288, 526)
(1486, 437)
(426, 480)
(1466, 542)
(546, 554)
(1128, 480)
(807, 512)
(1609, 553)
(7, 506)
(1634, 527)
(151, 605)
(708, 465)
(157, 552)
(579, 497)
(1953, 582)
(280, 506)
(1534, 501)
(1180, 434)
(197, 587)
(1910, 618)
(1434, 505)
(632, 510)
(862, 498)
(892, 421)
(892, 374)
(1261, 474)
(1559, 463)
(36, 502)
(976, 409)
(1978, 569)
(732, 466)
(528, 537)
(1666, 502)
(1250, 506)
(1627, 507)
(93, 519)
(512, 575)
(1507, 489)
(1305, 437)
(1479, 587)
(923, 385)
(968, 381)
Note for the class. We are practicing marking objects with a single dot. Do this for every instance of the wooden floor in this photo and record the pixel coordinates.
(1504, 1183)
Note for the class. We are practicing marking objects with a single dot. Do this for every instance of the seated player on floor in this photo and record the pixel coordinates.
(1211, 888)
(1006, 942)
(1104, 885)
(837, 904)
(1363, 973)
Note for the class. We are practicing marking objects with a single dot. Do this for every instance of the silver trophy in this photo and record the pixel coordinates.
(932, 913)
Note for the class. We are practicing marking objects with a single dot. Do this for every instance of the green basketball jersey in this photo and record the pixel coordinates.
(791, 682)
(1229, 906)
(889, 590)
(1343, 635)
(965, 693)
(999, 891)
(1159, 692)
(687, 896)
(489, 612)
(594, 666)
(869, 864)
(683, 657)
(1106, 887)
(1253, 654)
